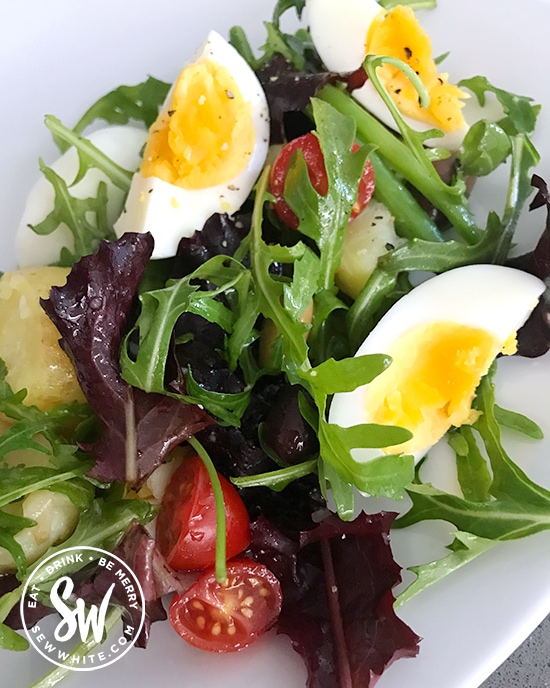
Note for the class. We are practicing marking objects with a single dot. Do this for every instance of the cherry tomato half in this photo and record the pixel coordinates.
(313, 157)
(186, 524)
(226, 618)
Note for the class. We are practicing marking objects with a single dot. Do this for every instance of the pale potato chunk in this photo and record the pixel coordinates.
(29, 341)
(368, 237)
(56, 518)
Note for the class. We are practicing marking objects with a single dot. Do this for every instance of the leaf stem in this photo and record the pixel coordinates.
(118, 175)
(344, 669)
(221, 526)
(278, 479)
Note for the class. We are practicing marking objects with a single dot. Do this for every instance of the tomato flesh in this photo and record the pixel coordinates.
(313, 157)
(186, 524)
(226, 618)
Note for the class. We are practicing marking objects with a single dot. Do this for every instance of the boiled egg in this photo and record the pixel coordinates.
(345, 32)
(203, 153)
(123, 145)
(442, 338)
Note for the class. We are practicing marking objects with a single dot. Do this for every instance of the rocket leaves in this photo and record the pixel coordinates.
(513, 505)
(239, 299)
(464, 548)
(139, 103)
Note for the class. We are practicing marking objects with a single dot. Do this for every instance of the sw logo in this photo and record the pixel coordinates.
(94, 619)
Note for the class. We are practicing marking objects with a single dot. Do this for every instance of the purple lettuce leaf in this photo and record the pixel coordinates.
(288, 90)
(91, 311)
(534, 337)
(337, 583)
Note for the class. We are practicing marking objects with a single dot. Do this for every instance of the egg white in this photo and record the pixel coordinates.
(339, 31)
(170, 212)
(493, 298)
(122, 144)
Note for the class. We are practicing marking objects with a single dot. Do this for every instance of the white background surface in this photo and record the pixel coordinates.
(58, 57)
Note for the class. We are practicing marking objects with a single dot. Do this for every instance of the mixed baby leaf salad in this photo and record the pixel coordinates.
(216, 368)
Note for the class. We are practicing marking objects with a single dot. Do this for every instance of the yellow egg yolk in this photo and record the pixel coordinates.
(431, 382)
(205, 136)
(397, 33)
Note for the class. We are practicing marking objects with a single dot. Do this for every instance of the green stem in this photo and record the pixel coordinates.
(221, 526)
(271, 308)
(514, 204)
(400, 157)
(118, 175)
(279, 478)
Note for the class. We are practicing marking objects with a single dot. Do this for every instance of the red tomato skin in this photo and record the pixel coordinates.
(313, 157)
(186, 524)
(228, 618)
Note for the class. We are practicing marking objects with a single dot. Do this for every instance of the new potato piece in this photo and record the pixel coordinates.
(29, 341)
(368, 237)
(55, 516)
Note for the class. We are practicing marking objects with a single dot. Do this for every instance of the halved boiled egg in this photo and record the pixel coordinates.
(345, 32)
(203, 153)
(442, 337)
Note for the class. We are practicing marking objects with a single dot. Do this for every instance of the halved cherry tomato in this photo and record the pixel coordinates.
(186, 524)
(313, 157)
(226, 618)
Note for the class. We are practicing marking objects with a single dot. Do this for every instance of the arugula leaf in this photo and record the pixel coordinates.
(518, 506)
(10, 525)
(75, 214)
(385, 475)
(518, 422)
(297, 49)
(519, 109)
(89, 155)
(46, 432)
(346, 375)
(238, 39)
(140, 103)
(161, 309)
(80, 491)
(328, 336)
(283, 6)
(464, 548)
(473, 474)
(271, 293)
(279, 479)
(11, 640)
(292, 48)
(18, 481)
(485, 147)
(229, 408)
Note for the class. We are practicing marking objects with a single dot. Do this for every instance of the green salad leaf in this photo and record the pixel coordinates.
(512, 506)
(139, 103)
(463, 549)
